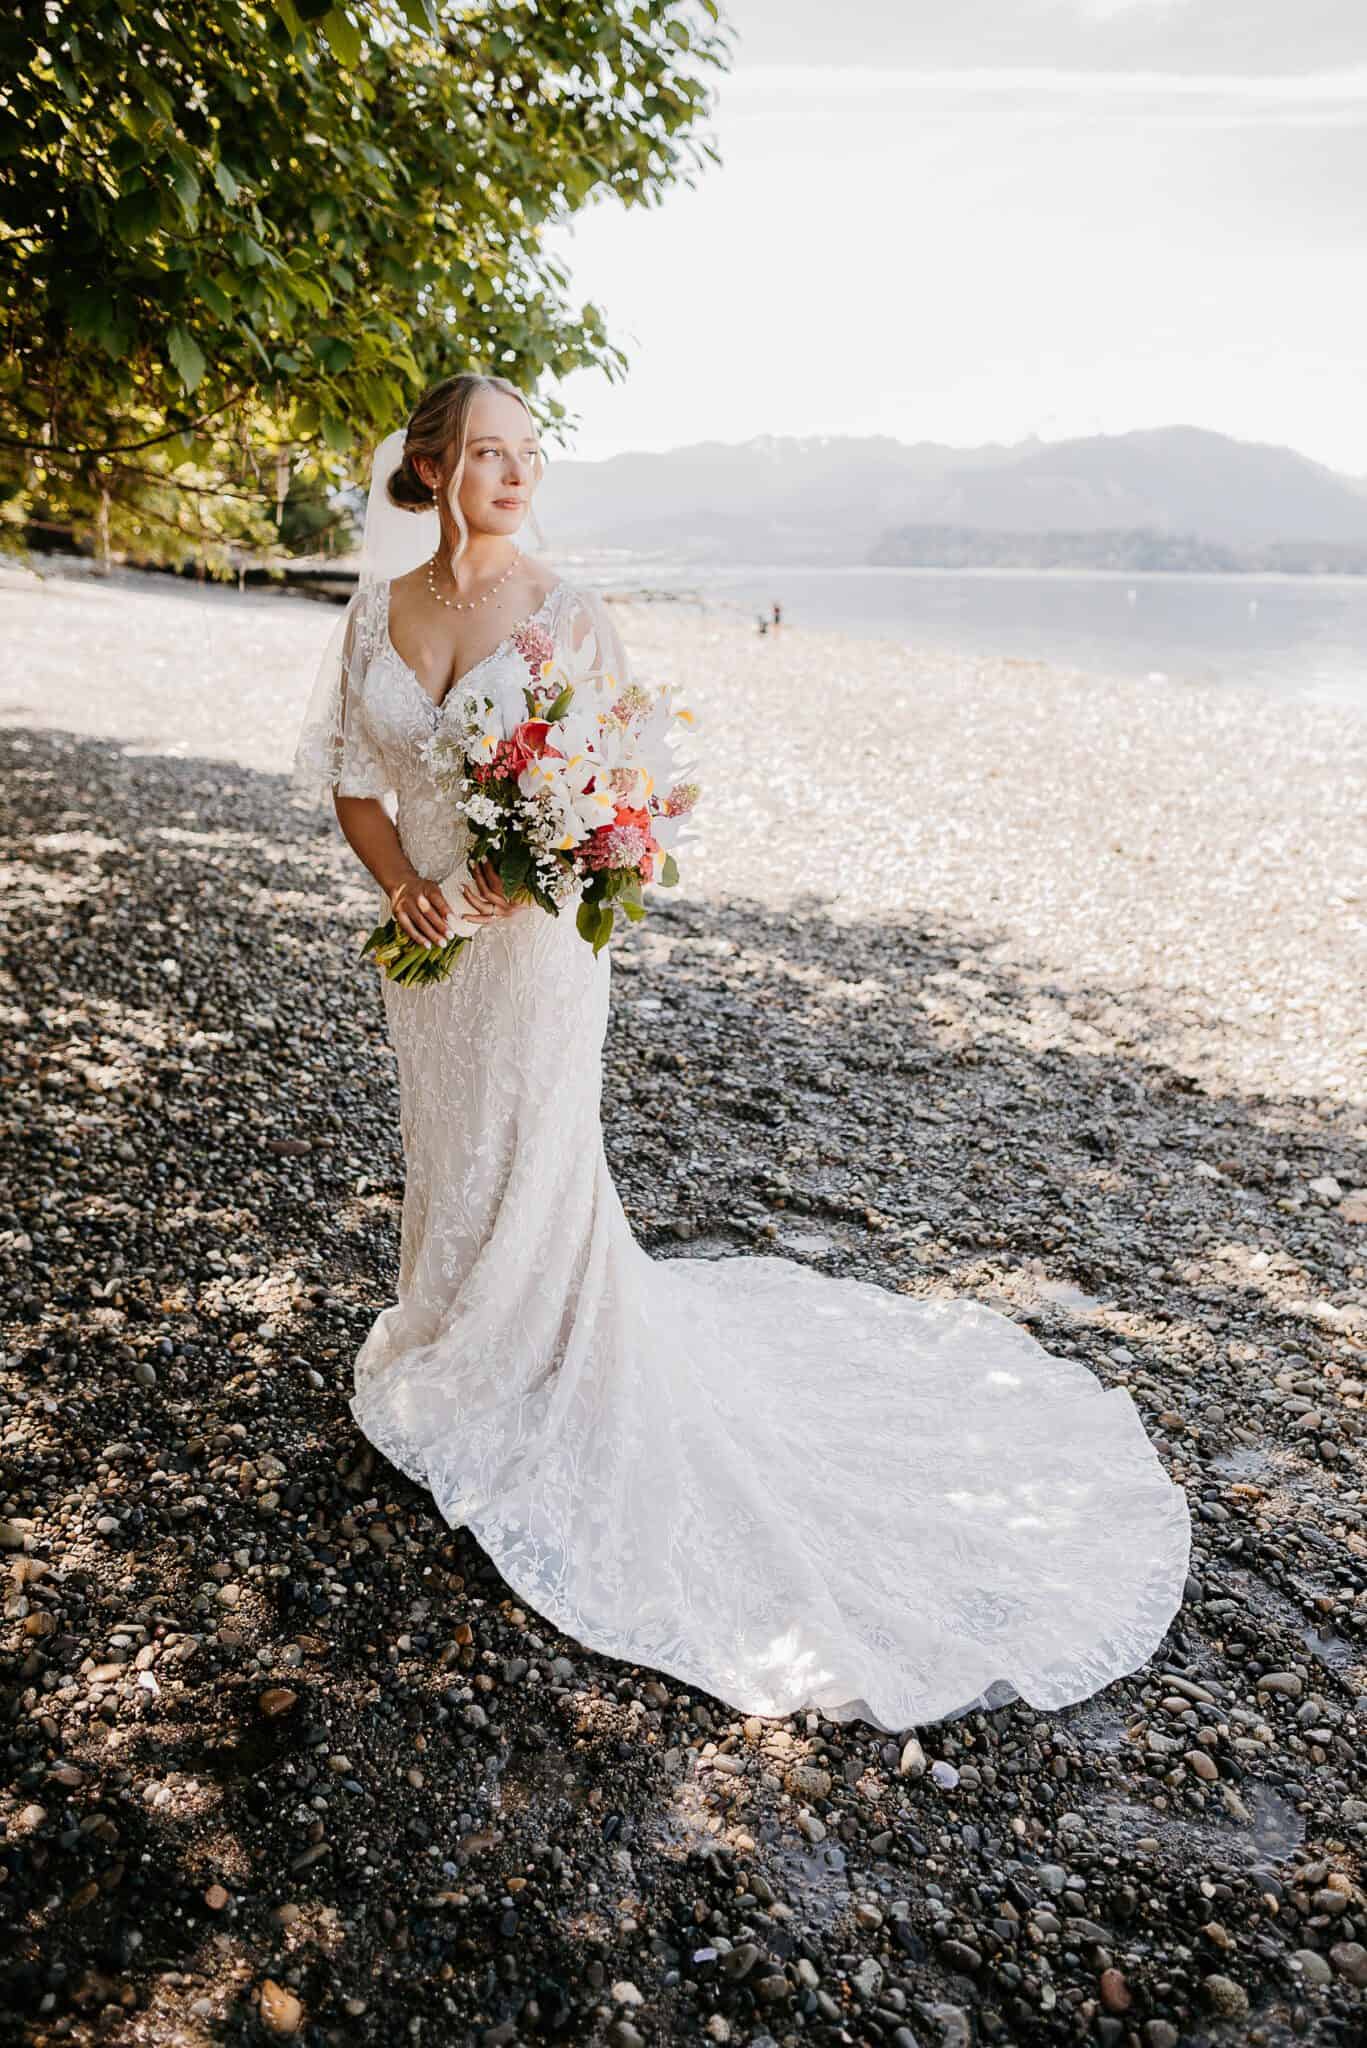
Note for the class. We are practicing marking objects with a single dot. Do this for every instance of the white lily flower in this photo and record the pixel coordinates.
(576, 666)
(539, 777)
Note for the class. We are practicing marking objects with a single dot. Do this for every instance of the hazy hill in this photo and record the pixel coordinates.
(1171, 479)
(838, 499)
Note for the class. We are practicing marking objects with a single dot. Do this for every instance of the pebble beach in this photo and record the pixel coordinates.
(984, 977)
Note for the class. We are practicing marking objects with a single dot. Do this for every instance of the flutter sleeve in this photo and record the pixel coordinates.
(336, 753)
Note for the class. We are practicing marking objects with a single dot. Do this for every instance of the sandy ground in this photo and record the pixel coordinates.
(1197, 856)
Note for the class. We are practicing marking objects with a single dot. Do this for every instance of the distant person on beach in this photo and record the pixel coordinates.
(763, 623)
(778, 614)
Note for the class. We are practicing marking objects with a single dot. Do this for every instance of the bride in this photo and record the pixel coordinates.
(785, 1489)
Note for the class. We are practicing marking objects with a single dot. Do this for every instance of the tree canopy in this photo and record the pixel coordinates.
(238, 240)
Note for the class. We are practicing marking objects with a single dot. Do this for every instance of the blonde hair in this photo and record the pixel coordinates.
(436, 433)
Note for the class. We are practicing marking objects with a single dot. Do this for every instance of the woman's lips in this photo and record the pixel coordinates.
(508, 501)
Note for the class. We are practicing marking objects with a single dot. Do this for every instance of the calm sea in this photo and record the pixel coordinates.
(1295, 636)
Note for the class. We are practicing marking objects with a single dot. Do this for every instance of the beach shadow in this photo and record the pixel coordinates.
(203, 1220)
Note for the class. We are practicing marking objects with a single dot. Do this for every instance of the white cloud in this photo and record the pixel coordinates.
(836, 87)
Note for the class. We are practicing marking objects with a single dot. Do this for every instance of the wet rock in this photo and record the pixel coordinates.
(805, 1781)
(741, 1960)
(1115, 1992)
(1349, 1958)
(955, 2027)
(1226, 1999)
(281, 2012)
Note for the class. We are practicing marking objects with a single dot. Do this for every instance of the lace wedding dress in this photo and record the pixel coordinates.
(785, 1489)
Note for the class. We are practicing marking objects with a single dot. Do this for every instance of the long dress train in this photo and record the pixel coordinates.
(783, 1488)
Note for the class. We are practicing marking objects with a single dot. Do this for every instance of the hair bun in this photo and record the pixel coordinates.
(407, 489)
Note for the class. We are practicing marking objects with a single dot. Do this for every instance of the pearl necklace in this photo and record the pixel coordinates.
(458, 604)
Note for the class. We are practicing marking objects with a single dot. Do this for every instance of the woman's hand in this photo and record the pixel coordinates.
(419, 908)
(484, 893)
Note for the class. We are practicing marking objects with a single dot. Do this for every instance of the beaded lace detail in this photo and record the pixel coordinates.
(783, 1488)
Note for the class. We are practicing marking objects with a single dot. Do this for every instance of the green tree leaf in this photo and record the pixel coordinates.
(187, 356)
(344, 36)
(214, 297)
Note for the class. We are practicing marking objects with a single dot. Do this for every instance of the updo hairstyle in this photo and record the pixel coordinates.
(436, 432)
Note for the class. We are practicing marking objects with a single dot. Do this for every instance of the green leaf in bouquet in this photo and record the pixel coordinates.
(634, 908)
(586, 921)
(562, 703)
(514, 868)
(607, 917)
(669, 871)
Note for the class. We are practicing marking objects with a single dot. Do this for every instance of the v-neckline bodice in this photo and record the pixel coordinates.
(438, 706)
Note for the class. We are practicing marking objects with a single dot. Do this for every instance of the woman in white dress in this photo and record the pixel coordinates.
(784, 1488)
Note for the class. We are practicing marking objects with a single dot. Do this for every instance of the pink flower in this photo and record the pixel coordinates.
(617, 846)
(634, 702)
(680, 800)
(535, 645)
(627, 842)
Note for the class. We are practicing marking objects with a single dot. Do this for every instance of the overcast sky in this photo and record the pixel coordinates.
(1009, 217)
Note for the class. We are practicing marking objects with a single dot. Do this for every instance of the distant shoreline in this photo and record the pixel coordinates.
(334, 583)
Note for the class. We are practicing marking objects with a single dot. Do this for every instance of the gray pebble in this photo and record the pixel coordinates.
(1228, 2000)
(1349, 1958)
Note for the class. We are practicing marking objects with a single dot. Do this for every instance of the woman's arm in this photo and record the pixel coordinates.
(416, 901)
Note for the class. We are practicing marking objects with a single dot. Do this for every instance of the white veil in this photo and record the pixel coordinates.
(394, 541)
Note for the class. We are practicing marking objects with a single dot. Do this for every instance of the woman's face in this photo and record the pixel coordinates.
(500, 465)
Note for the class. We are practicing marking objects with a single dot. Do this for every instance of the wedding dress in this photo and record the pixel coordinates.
(785, 1489)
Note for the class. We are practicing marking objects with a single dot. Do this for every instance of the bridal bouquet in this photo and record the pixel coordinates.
(584, 789)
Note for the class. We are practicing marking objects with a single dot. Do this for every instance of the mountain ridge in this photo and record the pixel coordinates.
(864, 498)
